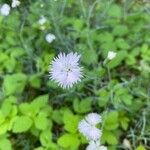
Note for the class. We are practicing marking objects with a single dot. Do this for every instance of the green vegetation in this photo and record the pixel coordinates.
(35, 113)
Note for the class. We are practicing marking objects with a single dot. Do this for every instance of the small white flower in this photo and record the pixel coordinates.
(15, 3)
(93, 118)
(92, 146)
(88, 128)
(84, 127)
(90, 132)
(94, 134)
(95, 146)
(42, 20)
(126, 144)
(50, 37)
(111, 55)
(5, 10)
(102, 147)
(41, 5)
(65, 69)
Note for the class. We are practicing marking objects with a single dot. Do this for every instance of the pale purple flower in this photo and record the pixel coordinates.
(84, 127)
(65, 69)
(93, 118)
(94, 134)
(88, 127)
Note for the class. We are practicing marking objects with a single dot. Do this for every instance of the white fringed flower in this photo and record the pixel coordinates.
(102, 147)
(88, 128)
(84, 127)
(93, 145)
(111, 55)
(65, 69)
(94, 134)
(96, 146)
(15, 3)
(93, 118)
(50, 37)
(5, 10)
(42, 20)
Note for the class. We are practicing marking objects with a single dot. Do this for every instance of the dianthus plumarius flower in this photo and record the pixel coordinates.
(15, 3)
(5, 10)
(93, 118)
(111, 55)
(88, 128)
(50, 37)
(95, 146)
(65, 69)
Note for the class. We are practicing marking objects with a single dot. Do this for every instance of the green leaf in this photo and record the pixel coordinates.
(71, 122)
(115, 11)
(39, 148)
(14, 83)
(45, 137)
(26, 109)
(57, 116)
(39, 102)
(117, 60)
(21, 124)
(82, 106)
(35, 106)
(109, 137)
(124, 122)
(87, 53)
(2, 118)
(4, 127)
(106, 37)
(7, 105)
(120, 30)
(69, 141)
(41, 121)
(5, 144)
(103, 97)
(78, 24)
(122, 44)
(35, 81)
(141, 147)
(111, 121)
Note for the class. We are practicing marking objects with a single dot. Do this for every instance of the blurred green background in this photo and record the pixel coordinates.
(35, 114)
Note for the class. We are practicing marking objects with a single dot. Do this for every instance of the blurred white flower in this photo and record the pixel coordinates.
(42, 20)
(84, 127)
(111, 55)
(65, 69)
(88, 128)
(15, 3)
(94, 134)
(5, 10)
(102, 147)
(127, 144)
(41, 5)
(93, 118)
(95, 146)
(50, 37)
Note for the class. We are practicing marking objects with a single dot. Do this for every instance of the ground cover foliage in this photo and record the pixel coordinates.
(35, 113)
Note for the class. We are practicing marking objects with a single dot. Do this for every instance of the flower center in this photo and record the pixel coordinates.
(67, 69)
